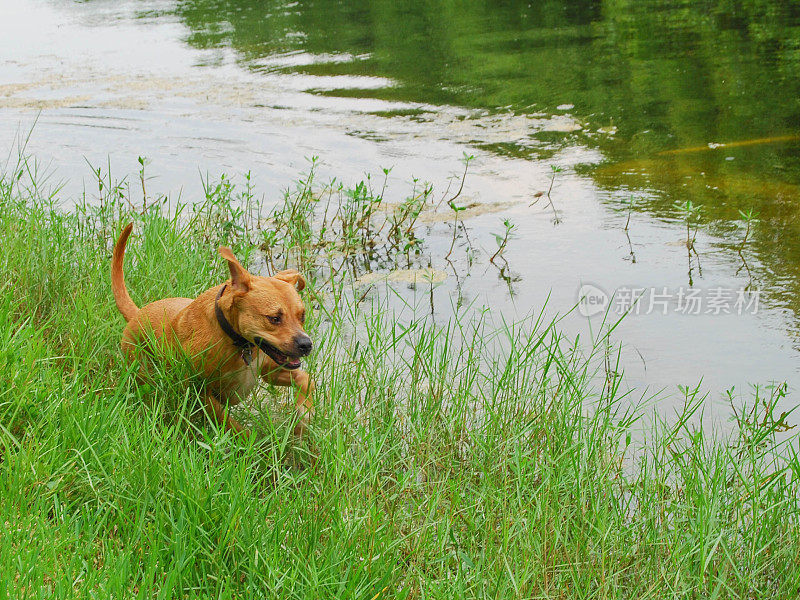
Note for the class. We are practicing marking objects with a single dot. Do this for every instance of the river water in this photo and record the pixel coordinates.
(629, 110)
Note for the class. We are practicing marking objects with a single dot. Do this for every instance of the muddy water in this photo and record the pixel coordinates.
(640, 105)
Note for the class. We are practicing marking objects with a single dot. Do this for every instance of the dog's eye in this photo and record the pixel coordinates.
(303, 317)
(274, 319)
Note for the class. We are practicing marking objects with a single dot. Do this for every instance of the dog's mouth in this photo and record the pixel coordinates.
(285, 361)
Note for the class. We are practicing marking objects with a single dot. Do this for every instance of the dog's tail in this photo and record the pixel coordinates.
(124, 302)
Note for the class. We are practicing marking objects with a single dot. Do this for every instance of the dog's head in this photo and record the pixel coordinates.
(268, 311)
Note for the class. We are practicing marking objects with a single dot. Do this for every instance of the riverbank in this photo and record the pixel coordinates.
(466, 460)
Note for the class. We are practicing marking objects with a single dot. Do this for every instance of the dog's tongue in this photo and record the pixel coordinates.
(286, 363)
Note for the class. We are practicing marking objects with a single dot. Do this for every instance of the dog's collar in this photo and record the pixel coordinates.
(244, 345)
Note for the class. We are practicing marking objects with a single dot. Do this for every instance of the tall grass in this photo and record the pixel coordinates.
(473, 460)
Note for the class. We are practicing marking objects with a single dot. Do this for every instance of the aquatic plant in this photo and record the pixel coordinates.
(691, 215)
(631, 253)
(750, 218)
(503, 238)
(554, 170)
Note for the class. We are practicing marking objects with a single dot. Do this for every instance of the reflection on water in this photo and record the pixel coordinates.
(666, 74)
(652, 81)
(644, 105)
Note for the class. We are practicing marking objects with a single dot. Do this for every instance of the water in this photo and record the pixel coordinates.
(641, 105)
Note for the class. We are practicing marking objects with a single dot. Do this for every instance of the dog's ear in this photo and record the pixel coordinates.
(240, 278)
(291, 277)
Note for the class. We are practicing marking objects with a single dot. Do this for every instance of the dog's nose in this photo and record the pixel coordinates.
(303, 344)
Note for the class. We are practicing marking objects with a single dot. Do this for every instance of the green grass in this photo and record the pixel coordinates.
(471, 460)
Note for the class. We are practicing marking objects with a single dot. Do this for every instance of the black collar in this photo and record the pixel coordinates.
(245, 346)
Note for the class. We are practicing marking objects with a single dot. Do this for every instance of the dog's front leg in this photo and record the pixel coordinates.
(305, 388)
(216, 411)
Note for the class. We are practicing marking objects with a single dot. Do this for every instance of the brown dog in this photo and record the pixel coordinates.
(234, 333)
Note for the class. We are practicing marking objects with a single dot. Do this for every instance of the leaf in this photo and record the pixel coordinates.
(466, 560)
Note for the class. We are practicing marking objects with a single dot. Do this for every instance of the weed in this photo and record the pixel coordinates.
(503, 238)
(631, 253)
(691, 216)
(554, 170)
(750, 219)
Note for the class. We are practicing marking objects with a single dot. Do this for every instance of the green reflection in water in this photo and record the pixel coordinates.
(668, 75)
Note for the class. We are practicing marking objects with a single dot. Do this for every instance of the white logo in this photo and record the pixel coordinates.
(591, 300)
